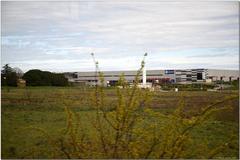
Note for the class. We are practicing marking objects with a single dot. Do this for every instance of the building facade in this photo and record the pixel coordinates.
(183, 76)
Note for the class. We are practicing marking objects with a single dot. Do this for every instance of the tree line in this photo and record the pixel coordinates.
(34, 77)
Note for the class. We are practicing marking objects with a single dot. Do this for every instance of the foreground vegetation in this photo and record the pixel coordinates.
(54, 122)
(123, 122)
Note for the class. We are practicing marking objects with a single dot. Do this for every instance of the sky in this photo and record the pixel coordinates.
(60, 36)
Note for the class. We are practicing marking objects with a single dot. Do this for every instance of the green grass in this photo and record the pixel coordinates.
(43, 107)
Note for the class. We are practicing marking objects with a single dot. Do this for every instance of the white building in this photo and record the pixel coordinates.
(183, 76)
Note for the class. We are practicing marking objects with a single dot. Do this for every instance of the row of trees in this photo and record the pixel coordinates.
(35, 77)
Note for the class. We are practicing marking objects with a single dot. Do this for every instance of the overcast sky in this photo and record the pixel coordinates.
(59, 36)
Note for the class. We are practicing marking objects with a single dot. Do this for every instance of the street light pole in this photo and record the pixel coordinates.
(144, 72)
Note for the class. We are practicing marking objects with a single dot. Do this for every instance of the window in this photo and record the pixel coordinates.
(178, 79)
(169, 71)
(199, 76)
(74, 75)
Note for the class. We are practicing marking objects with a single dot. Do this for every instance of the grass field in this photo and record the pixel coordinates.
(43, 107)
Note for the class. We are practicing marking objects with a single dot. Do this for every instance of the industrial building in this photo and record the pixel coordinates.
(183, 76)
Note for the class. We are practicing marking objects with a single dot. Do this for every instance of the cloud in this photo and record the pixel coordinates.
(80, 50)
(212, 55)
(173, 32)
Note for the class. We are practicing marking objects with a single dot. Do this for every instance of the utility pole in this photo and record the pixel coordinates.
(144, 76)
(96, 67)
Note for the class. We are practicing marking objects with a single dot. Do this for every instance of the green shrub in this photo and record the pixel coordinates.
(37, 77)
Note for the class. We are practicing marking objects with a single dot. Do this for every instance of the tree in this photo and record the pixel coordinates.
(8, 76)
(37, 77)
(59, 80)
(18, 71)
(6, 69)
